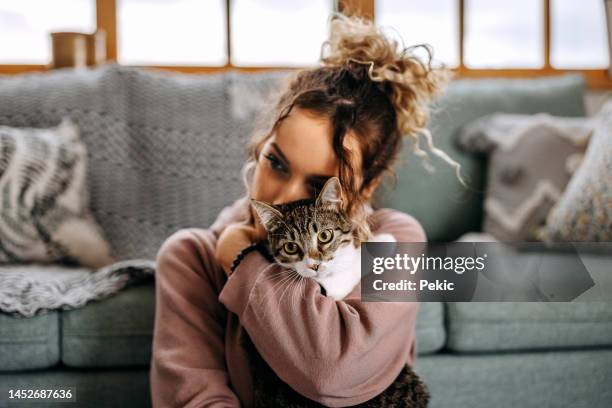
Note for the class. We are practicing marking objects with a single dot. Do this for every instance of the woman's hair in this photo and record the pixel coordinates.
(367, 86)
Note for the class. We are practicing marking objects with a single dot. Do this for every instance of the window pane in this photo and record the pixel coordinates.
(25, 26)
(423, 21)
(504, 34)
(278, 32)
(578, 34)
(171, 32)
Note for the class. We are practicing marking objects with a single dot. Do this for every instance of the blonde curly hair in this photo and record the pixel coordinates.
(366, 85)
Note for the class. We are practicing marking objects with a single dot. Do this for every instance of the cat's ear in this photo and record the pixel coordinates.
(266, 212)
(331, 193)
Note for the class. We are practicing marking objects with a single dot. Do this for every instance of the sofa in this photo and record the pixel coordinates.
(164, 153)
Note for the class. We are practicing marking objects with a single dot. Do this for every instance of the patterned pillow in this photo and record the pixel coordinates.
(584, 212)
(44, 201)
(530, 161)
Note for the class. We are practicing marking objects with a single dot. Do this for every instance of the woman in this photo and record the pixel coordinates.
(345, 119)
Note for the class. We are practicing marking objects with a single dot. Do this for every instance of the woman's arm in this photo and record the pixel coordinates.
(188, 366)
(334, 352)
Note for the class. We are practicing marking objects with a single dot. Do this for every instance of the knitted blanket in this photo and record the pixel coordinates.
(31, 289)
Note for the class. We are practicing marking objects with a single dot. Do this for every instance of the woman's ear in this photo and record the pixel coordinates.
(267, 214)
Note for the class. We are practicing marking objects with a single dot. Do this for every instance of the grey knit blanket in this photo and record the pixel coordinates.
(31, 289)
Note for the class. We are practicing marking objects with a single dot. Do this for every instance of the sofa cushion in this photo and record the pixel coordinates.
(29, 343)
(489, 327)
(464, 101)
(96, 101)
(524, 326)
(120, 387)
(499, 326)
(117, 331)
(579, 378)
(584, 212)
(49, 220)
(522, 188)
(430, 331)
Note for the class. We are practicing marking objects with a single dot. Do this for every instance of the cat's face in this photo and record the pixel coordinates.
(305, 234)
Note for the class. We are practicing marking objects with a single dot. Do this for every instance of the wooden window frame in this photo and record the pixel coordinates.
(106, 19)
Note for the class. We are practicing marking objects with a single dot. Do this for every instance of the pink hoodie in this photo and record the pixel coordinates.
(337, 353)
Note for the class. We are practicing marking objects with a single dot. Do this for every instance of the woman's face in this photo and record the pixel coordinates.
(297, 159)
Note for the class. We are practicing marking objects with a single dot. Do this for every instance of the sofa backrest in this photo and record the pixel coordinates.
(438, 200)
(165, 149)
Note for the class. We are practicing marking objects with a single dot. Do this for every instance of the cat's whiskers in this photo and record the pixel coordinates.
(262, 273)
(294, 294)
(286, 275)
(278, 279)
(288, 284)
(294, 275)
(299, 294)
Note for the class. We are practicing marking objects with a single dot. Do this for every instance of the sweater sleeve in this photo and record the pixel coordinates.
(337, 353)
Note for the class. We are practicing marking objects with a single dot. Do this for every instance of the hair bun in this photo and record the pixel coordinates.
(360, 47)
(357, 45)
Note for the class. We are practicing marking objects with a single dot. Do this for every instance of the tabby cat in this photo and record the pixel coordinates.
(316, 239)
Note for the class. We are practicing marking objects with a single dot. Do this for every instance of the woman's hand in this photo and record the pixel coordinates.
(232, 240)
(236, 237)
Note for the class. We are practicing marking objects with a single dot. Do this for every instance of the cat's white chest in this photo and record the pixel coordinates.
(343, 272)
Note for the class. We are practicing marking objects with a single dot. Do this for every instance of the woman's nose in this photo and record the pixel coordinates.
(291, 192)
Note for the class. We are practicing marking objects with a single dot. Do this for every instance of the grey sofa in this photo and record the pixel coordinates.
(165, 152)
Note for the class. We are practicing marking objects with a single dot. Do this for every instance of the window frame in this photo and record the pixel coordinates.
(106, 19)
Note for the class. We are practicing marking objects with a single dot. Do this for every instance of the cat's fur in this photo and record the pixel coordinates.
(335, 265)
(338, 270)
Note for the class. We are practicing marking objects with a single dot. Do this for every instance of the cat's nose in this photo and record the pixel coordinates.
(314, 267)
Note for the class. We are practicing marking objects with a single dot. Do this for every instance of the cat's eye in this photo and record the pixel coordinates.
(290, 248)
(325, 236)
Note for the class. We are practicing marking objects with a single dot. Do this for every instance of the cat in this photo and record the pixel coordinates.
(317, 239)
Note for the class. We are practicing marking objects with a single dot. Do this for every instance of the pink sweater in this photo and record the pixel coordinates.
(337, 353)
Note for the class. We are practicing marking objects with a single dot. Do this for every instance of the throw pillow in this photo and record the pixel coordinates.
(530, 161)
(44, 201)
(584, 212)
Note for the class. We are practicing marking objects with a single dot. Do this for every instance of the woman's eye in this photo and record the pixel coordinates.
(325, 236)
(290, 248)
(275, 163)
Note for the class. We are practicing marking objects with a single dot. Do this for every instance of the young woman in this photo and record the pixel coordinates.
(345, 118)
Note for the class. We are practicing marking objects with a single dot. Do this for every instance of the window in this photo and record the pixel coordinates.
(504, 34)
(434, 22)
(578, 34)
(25, 27)
(519, 38)
(278, 32)
(171, 32)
